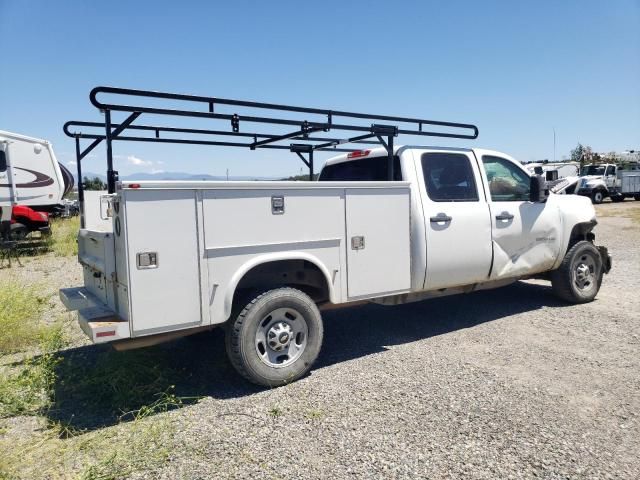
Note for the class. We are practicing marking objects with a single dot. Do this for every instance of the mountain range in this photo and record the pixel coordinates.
(172, 176)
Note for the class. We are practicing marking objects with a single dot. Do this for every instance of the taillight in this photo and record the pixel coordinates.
(359, 153)
(134, 185)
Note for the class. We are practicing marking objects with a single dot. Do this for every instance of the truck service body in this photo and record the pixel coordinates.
(261, 257)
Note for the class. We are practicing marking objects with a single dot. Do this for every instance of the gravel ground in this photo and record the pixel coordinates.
(509, 383)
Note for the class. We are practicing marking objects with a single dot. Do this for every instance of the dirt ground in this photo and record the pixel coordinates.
(510, 383)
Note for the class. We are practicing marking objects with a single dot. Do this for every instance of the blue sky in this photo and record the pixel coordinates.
(516, 69)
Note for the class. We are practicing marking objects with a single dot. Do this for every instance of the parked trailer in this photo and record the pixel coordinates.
(388, 225)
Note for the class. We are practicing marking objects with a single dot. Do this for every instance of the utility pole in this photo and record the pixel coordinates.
(227, 174)
(554, 144)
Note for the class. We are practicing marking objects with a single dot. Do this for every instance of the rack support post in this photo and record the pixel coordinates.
(80, 182)
(390, 172)
(111, 174)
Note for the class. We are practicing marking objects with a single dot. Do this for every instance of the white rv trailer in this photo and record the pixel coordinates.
(387, 225)
(30, 174)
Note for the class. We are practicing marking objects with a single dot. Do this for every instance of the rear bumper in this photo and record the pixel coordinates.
(97, 321)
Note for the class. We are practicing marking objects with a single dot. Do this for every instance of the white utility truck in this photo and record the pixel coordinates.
(609, 180)
(384, 224)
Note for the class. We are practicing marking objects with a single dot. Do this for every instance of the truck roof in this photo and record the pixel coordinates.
(381, 152)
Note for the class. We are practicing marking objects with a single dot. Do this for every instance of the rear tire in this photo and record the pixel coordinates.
(636, 197)
(276, 337)
(597, 196)
(579, 276)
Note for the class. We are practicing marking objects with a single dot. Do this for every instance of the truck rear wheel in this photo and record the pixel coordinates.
(636, 197)
(597, 196)
(580, 274)
(276, 337)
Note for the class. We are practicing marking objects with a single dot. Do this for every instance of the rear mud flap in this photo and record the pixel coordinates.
(606, 258)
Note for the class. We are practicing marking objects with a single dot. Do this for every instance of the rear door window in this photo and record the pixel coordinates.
(448, 177)
(363, 170)
(3, 161)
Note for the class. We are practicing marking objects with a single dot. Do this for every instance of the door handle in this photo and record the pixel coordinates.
(441, 217)
(504, 216)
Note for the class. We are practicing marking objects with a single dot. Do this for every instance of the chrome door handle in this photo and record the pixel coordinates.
(441, 217)
(504, 216)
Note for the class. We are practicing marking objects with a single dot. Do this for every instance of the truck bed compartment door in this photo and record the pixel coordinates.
(164, 251)
(378, 249)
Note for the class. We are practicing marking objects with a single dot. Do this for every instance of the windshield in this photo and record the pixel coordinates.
(592, 170)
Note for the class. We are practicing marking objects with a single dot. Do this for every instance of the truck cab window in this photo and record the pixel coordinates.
(611, 170)
(362, 170)
(507, 182)
(448, 177)
(3, 161)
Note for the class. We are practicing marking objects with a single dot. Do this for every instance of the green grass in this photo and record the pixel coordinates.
(88, 413)
(63, 241)
(20, 309)
(28, 389)
(126, 389)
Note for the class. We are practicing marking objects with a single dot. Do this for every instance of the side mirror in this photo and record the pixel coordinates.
(538, 191)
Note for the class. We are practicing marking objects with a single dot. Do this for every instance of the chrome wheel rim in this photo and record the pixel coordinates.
(585, 272)
(281, 337)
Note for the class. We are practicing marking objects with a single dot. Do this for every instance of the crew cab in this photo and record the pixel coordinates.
(263, 258)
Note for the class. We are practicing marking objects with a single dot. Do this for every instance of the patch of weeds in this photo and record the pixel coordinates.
(63, 241)
(30, 390)
(314, 414)
(631, 212)
(112, 453)
(276, 411)
(166, 401)
(105, 387)
(20, 307)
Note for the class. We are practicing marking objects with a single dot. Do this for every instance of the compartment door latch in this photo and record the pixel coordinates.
(146, 260)
(357, 243)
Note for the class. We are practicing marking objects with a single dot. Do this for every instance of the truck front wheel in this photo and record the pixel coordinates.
(276, 337)
(580, 274)
(597, 196)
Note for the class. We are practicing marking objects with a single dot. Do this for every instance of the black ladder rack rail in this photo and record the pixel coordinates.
(306, 138)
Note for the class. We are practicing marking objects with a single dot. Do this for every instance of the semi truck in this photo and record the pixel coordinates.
(385, 224)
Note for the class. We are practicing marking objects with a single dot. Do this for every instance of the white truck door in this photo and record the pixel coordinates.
(456, 218)
(526, 235)
(610, 176)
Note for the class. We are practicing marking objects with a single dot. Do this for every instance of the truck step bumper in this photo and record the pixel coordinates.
(77, 298)
(97, 321)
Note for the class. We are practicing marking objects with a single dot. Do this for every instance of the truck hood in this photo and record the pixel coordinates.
(563, 183)
(575, 207)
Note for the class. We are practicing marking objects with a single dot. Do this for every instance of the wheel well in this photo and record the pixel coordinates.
(581, 231)
(300, 274)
